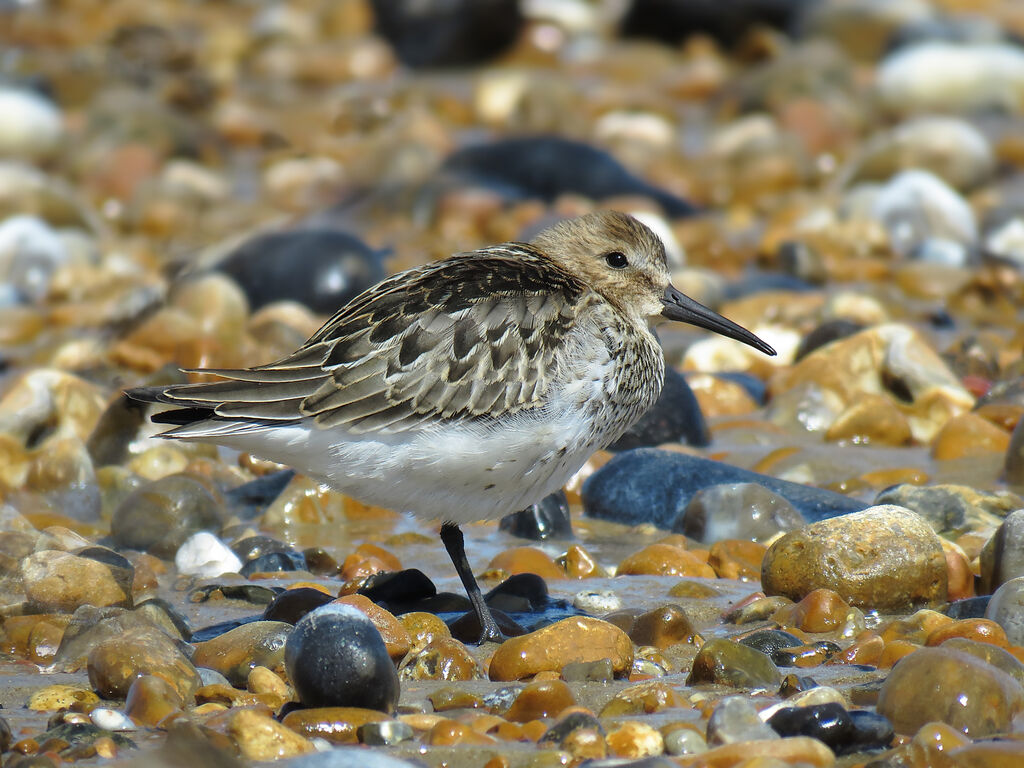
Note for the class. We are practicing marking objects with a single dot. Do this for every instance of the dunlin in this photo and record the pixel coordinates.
(467, 388)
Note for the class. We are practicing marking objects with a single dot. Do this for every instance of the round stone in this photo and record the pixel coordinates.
(1006, 608)
(885, 558)
(724, 662)
(577, 639)
(116, 663)
(159, 517)
(235, 653)
(738, 511)
(58, 581)
(335, 657)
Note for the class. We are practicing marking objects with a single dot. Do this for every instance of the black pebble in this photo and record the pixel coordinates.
(447, 33)
(320, 268)
(274, 562)
(467, 629)
(671, 21)
(829, 723)
(519, 593)
(397, 590)
(674, 418)
(547, 167)
(335, 657)
(871, 731)
(547, 519)
(771, 642)
(292, 604)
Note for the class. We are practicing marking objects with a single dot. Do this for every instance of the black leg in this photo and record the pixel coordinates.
(451, 536)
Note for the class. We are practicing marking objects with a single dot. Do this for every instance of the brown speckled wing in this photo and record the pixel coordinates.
(473, 336)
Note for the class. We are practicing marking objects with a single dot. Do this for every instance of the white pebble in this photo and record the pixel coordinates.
(30, 252)
(917, 205)
(111, 719)
(203, 554)
(597, 601)
(30, 124)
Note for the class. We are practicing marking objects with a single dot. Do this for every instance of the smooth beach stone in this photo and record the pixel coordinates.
(59, 581)
(53, 698)
(729, 663)
(385, 733)
(577, 639)
(970, 78)
(160, 516)
(322, 269)
(675, 417)
(1014, 463)
(338, 725)
(644, 698)
(951, 148)
(237, 651)
(1002, 559)
(663, 559)
(828, 723)
(547, 519)
(90, 626)
(647, 485)
(938, 684)
(635, 740)
(685, 741)
(979, 630)
(968, 435)
(757, 609)
(885, 557)
(335, 657)
(988, 754)
(547, 167)
(673, 23)
(826, 333)
(663, 626)
(517, 560)
(274, 562)
(442, 659)
(292, 604)
(393, 589)
(393, 633)
(424, 628)
(115, 664)
(260, 737)
(205, 555)
(951, 508)
(545, 698)
(150, 699)
(32, 127)
(738, 511)
(1006, 608)
(738, 559)
(735, 719)
(998, 657)
(821, 610)
(771, 641)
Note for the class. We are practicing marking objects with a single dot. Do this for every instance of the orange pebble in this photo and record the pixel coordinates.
(526, 560)
(820, 611)
(661, 559)
(867, 651)
(979, 630)
(895, 651)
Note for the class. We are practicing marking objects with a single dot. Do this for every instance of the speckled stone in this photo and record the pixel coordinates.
(59, 581)
(885, 557)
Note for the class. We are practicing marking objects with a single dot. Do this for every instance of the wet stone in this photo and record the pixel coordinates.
(59, 581)
(160, 516)
(335, 657)
(443, 659)
(643, 698)
(738, 511)
(968, 608)
(664, 559)
(521, 560)
(150, 699)
(939, 684)
(771, 641)
(674, 418)
(1002, 558)
(396, 638)
(205, 555)
(116, 663)
(338, 725)
(1006, 608)
(398, 590)
(950, 508)
(662, 627)
(385, 733)
(57, 697)
(320, 268)
(520, 592)
(885, 557)
(579, 639)
(292, 604)
(647, 485)
(588, 671)
(236, 652)
(274, 562)
(259, 737)
(735, 719)
(728, 663)
(828, 723)
(547, 519)
(546, 698)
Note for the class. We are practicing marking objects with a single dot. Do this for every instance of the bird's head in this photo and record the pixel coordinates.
(624, 261)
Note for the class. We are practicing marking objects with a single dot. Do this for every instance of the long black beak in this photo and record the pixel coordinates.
(679, 306)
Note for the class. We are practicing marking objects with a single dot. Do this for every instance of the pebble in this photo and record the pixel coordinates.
(517, 560)
(951, 508)
(33, 126)
(734, 719)
(635, 740)
(392, 631)
(160, 516)
(385, 733)
(322, 269)
(663, 626)
(664, 559)
(885, 557)
(235, 653)
(292, 604)
(940, 77)
(545, 698)
(204, 555)
(939, 684)
(547, 519)
(30, 253)
(685, 741)
(111, 720)
(335, 657)
(551, 648)
(648, 485)
(675, 417)
(444, 658)
(59, 581)
(54, 698)
(259, 737)
(1006, 608)
(725, 662)
(738, 510)
(150, 699)
(338, 725)
(598, 601)
(115, 664)
(1002, 559)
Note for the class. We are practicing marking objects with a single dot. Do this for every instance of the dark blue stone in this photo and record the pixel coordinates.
(968, 608)
(447, 33)
(871, 731)
(292, 604)
(829, 723)
(547, 519)
(647, 485)
(766, 281)
(671, 21)
(399, 590)
(252, 547)
(675, 418)
(520, 593)
(335, 657)
(320, 268)
(251, 499)
(547, 167)
(273, 562)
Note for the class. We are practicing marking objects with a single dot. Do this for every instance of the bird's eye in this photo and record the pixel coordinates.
(616, 260)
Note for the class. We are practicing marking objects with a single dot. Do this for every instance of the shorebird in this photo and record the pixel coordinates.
(464, 389)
